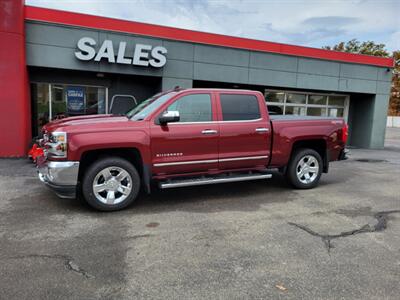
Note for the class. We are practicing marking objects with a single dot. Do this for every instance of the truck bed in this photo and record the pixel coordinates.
(288, 129)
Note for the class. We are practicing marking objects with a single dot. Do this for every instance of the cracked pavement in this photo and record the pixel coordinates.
(244, 240)
(381, 217)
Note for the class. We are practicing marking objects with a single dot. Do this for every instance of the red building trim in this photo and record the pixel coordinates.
(15, 114)
(103, 23)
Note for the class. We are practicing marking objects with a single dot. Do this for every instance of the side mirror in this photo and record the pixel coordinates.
(169, 117)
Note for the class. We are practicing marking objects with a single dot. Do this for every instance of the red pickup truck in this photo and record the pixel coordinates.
(185, 137)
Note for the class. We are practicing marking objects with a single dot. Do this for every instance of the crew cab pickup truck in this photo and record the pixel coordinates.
(185, 137)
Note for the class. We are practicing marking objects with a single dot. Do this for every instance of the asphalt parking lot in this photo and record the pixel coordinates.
(244, 240)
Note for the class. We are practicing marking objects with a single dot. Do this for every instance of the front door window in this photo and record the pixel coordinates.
(193, 108)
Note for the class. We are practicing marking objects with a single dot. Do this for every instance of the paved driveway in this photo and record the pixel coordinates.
(243, 240)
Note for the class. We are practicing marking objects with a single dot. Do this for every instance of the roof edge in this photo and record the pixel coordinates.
(110, 24)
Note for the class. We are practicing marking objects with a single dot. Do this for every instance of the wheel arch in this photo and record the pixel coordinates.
(131, 154)
(318, 145)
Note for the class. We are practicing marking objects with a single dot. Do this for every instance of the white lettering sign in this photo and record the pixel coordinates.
(143, 55)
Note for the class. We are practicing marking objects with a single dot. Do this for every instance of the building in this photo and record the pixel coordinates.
(56, 63)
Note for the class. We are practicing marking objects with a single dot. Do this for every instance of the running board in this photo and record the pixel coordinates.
(174, 183)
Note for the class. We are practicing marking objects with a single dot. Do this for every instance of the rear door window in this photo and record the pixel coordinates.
(236, 107)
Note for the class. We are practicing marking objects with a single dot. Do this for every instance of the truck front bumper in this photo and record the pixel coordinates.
(60, 176)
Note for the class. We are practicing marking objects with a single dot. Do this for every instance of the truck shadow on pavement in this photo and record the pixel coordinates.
(239, 196)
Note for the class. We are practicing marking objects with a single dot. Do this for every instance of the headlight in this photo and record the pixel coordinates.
(57, 144)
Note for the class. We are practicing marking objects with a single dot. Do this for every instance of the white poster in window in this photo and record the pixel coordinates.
(333, 112)
(300, 111)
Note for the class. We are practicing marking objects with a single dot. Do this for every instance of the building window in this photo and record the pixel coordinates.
(295, 110)
(278, 97)
(40, 94)
(53, 101)
(276, 100)
(317, 99)
(296, 98)
(336, 112)
(306, 104)
(316, 111)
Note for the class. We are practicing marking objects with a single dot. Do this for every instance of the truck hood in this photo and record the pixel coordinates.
(71, 123)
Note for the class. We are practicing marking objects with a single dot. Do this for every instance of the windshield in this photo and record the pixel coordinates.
(148, 106)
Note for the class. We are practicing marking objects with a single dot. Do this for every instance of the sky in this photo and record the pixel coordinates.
(313, 23)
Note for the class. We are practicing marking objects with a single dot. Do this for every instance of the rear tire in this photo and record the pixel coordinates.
(110, 184)
(304, 169)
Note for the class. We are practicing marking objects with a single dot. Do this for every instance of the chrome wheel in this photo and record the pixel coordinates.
(112, 185)
(307, 169)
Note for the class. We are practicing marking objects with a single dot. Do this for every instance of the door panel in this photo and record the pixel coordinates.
(189, 146)
(184, 148)
(245, 133)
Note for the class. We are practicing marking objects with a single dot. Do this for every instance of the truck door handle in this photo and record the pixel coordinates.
(209, 131)
(262, 129)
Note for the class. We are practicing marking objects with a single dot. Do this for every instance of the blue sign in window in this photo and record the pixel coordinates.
(76, 99)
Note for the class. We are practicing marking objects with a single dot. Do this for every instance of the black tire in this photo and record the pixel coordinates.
(94, 169)
(293, 168)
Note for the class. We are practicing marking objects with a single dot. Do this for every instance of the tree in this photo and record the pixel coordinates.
(394, 104)
(355, 46)
(371, 48)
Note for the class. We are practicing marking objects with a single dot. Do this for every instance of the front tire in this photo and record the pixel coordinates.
(304, 169)
(110, 184)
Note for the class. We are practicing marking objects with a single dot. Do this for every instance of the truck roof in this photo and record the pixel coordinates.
(178, 89)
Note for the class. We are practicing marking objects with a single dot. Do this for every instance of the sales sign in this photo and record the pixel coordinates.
(142, 54)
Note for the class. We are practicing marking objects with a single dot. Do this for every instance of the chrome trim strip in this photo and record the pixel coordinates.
(243, 158)
(191, 123)
(215, 122)
(178, 163)
(208, 161)
(213, 181)
(241, 121)
(63, 164)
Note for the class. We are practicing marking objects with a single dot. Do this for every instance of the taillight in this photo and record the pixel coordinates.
(345, 133)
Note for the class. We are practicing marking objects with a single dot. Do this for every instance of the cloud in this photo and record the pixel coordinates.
(305, 22)
(330, 21)
(394, 41)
